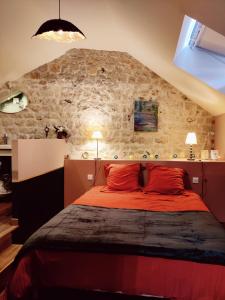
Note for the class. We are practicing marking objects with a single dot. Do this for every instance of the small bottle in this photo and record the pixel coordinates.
(5, 139)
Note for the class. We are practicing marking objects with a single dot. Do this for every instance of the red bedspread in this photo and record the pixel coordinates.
(188, 201)
(177, 279)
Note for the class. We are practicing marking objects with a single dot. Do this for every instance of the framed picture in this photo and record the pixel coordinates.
(145, 115)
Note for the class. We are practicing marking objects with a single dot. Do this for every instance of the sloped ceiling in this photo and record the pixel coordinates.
(146, 29)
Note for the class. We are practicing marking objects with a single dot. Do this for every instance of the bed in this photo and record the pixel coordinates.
(129, 242)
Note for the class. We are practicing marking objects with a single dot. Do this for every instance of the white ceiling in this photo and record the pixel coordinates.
(147, 29)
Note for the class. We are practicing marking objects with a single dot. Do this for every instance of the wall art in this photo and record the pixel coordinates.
(145, 115)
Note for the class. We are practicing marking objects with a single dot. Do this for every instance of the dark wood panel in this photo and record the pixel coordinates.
(6, 174)
(35, 201)
(214, 188)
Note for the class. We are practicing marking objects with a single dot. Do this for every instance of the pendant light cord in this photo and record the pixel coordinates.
(59, 9)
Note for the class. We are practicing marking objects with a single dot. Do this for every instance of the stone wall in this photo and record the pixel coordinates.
(86, 90)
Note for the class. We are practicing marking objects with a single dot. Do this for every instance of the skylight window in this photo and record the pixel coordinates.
(201, 52)
(194, 33)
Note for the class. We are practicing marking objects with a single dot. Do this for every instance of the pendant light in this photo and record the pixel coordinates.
(59, 30)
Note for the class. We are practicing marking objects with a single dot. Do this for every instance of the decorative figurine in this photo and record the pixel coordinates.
(46, 131)
(85, 155)
(61, 132)
(146, 155)
(5, 139)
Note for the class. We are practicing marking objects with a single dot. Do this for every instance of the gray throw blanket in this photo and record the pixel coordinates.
(195, 236)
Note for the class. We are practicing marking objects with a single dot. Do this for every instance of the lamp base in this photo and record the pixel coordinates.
(191, 155)
(97, 158)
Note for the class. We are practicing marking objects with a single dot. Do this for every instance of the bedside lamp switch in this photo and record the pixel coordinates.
(90, 177)
(195, 179)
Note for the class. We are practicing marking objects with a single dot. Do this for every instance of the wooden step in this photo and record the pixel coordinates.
(11, 220)
(7, 256)
(14, 221)
(3, 295)
(5, 241)
(5, 208)
(6, 227)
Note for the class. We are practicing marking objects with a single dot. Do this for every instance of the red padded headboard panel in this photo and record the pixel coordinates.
(76, 171)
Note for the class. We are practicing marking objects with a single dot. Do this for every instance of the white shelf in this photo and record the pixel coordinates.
(6, 147)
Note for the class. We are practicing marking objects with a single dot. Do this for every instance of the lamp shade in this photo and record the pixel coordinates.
(96, 135)
(60, 31)
(191, 138)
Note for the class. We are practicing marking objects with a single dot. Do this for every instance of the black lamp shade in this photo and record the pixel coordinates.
(59, 30)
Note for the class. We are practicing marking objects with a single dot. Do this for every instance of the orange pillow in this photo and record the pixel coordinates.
(164, 180)
(121, 177)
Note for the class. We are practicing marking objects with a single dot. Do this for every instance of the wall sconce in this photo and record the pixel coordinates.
(97, 135)
(191, 139)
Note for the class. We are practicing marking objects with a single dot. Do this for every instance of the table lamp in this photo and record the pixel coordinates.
(191, 139)
(97, 135)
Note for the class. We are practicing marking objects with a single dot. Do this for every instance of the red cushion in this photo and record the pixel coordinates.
(121, 177)
(164, 180)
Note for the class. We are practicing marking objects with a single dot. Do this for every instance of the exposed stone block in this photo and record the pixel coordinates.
(86, 90)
